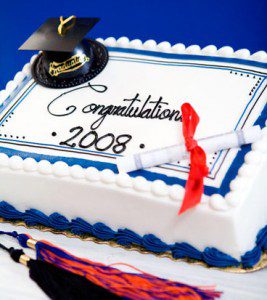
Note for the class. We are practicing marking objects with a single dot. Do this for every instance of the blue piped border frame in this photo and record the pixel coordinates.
(151, 176)
(125, 237)
(232, 60)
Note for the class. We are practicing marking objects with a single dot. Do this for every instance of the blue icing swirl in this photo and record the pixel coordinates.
(59, 222)
(216, 258)
(211, 256)
(152, 243)
(184, 250)
(79, 226)
(9, 212)
(34, 217)
(103, 232)
(262, 238)
(250, 258)
(126, 237)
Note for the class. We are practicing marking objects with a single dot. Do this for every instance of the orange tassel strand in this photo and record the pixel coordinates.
(139, 286)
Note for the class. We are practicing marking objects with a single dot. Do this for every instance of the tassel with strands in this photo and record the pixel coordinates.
(127, 285)
(58, 283)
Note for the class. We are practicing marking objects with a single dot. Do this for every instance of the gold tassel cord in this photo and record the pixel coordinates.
(31, 243)
(24, 259)
(63, 27)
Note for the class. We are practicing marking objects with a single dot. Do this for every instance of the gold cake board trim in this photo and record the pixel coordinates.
(260, 265)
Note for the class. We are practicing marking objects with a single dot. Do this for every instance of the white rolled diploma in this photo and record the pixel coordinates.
(178, 152)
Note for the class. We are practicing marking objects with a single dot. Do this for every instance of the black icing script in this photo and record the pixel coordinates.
(133, 107)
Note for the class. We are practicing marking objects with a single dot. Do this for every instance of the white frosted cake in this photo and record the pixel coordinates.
(59, 149)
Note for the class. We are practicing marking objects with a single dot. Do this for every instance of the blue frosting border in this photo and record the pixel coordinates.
(125, 237)
(85, 163)
(151, 176)
(232, 60)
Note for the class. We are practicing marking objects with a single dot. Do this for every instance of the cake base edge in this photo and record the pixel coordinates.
(251, 261)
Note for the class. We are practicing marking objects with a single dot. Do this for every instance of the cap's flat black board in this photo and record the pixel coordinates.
(47, 38)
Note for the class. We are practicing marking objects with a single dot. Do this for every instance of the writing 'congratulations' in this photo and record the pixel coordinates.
(136, 107)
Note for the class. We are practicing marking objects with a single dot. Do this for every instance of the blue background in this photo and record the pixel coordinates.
(238, 23)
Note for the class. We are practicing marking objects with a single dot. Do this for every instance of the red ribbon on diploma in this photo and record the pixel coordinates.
(194, 187)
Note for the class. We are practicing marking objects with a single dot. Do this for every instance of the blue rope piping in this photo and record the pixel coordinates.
(211, 256)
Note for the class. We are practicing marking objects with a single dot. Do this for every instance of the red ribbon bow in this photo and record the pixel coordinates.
(198, 169)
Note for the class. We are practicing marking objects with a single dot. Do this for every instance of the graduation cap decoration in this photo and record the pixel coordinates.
(67, 58)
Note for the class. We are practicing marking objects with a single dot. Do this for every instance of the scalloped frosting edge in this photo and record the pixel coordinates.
(125, 237)
(166, 47)
(158, 187)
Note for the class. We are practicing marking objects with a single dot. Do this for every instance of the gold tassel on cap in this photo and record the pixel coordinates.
(63, 27)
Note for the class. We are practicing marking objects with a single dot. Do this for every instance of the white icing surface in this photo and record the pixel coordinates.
(152, 209)
(135, 203)
(211, 87)
(92, 174)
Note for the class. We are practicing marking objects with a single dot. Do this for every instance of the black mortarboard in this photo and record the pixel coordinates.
(66, 59)
(48, 38)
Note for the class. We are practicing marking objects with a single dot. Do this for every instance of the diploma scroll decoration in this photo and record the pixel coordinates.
(192, 149)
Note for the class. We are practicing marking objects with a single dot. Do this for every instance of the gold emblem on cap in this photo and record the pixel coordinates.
(63, 27)
(71, 64)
